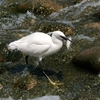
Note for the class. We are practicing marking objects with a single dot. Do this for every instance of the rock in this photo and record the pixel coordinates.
(2, 57)
(86, 97)
(3, 52)
(89, 59)
(39, 7)
(6, 55)
(25, 83)
(13, 56)
(54, 26)
(31, 84)
(1, 86)
(93, 25)
(51, 97)
(55, 97)
(97, 15)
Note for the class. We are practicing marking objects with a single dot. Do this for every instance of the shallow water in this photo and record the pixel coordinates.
(78, 84)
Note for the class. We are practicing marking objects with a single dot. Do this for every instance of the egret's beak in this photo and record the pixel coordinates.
(66, 38)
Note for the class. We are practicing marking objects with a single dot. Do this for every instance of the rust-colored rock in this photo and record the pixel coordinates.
(26, 82)
(93, 25)
(31, 84)
(89, 59)
(39, 7)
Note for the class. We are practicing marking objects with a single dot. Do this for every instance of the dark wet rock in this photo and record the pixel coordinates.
(6, 55)
(73, 13)
(76, 1)
(1, 86)
(66, 3)
(89, 59)
(2, 58)
(25, 82)
(13, 56)
(86, 97)
(97, 15)
(3, 68)
(39, 7)
(47, 26)
(54, 26)
(3, 52)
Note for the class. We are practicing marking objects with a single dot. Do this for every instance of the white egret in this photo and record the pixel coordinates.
(39, 45)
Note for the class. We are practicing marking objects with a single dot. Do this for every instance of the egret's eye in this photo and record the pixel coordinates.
(49, 33)
(63, 37)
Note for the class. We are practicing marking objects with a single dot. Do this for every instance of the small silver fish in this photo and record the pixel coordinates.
(68, 43)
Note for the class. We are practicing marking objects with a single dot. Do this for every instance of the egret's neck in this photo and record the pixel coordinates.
(58, 43)
(55, 46)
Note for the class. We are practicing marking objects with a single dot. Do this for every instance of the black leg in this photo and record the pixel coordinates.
(40, 66)
(26, 59)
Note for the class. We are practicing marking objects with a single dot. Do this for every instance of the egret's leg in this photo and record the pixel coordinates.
(26, 59)
(53, 83)
(26, 68)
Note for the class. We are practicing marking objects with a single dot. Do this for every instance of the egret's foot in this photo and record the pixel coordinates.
(57, 83)
(53, 83)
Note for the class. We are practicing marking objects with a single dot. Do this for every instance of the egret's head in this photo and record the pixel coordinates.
(61, 36)
(58, 34)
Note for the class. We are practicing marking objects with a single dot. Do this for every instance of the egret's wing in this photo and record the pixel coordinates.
(36, 38)
(38, 50)
(34, 44)
(34, 49)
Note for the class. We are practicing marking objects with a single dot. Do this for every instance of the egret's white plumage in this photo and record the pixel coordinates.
(39, 45)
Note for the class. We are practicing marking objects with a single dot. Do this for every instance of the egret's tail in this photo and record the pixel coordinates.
(13, 46)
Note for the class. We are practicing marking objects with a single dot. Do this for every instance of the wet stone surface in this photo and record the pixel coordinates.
(89, 59)
(75, 80)
(78, 83)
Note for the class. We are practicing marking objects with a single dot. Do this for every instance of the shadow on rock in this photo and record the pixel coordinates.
(34, 71)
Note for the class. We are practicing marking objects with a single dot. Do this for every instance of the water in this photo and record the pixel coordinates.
(13, 21)
(76, 13)
(1, 1)
(77, 83)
